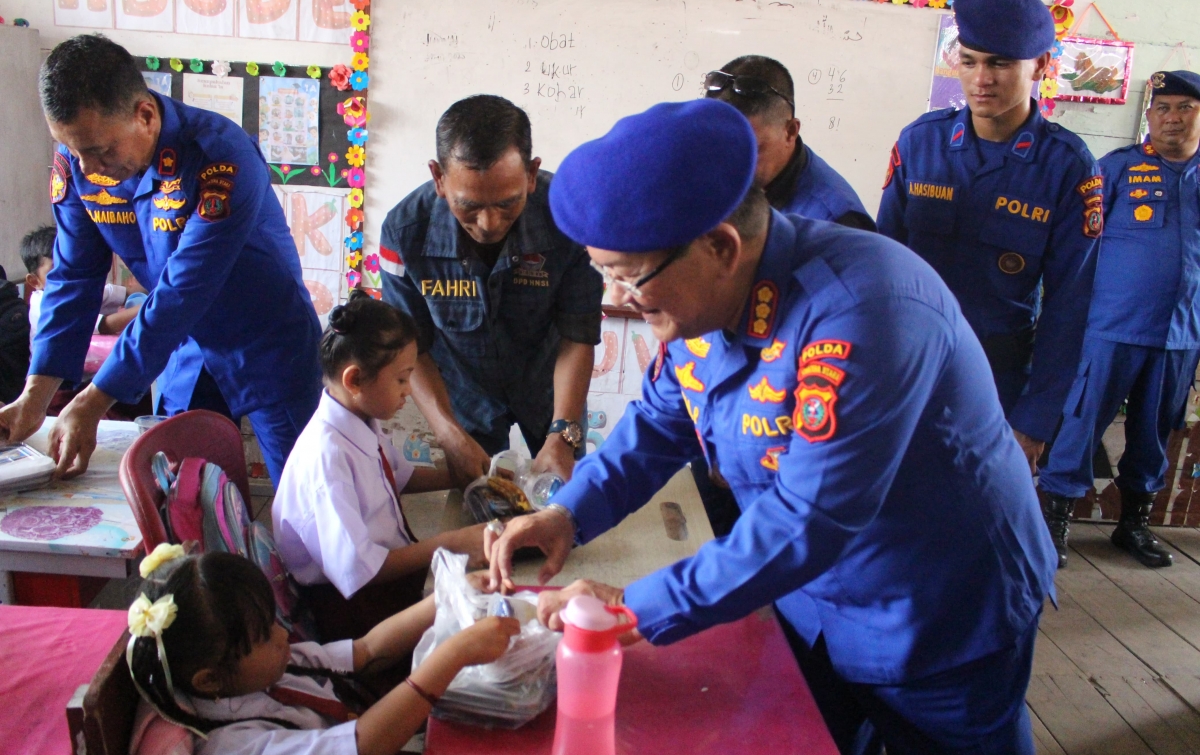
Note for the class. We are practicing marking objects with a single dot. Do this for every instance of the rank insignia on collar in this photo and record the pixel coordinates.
(1148, 149)
(958, 134)
(687, 379)
(698, 346)
(764, 300)
(1144, 168)
(58, 178)
(772, 352)
(167, 162)
(1023, 144)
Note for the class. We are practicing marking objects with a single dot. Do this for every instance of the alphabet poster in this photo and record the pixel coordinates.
(288, 132)
(316, 217)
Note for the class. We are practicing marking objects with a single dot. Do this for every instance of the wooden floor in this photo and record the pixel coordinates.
(1117, 666)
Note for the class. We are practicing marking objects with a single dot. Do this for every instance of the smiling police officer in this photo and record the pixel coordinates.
(507, 307)
(1007, 208)
(887, 509)
(1143, 337)
(184, 197)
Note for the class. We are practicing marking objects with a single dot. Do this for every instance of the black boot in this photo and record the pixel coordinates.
(1133, 531)
(1057, 513)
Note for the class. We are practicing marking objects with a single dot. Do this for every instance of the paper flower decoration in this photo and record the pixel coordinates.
(176, 65)
(353, 258)
(162, 553)
(279, 68)
(356, 178)
(360, 4)
(1063, 18)
(920, 3)
(355, 198)
(356, 156)
(148, 619)
(252, 68)
(352, 278)
(221, 68)
(197, 65)
(371, 263)
(937, 3)
(1049, 88)
(285, 169)
(353, 111)
(314, 72)
(354, 241)
(360, 20)
(153, 63)
(360, 61)
(315, 170)
(1046, 107)
(360, 41)
(354, 218)
(359, 80)
(339, 76)
(357, 136)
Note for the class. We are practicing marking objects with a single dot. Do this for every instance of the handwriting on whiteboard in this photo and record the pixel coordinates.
(552, 79)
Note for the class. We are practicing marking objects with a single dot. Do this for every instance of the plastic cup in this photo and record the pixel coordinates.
(147, 421)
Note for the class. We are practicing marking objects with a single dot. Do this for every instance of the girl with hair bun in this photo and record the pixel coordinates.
(337, 516)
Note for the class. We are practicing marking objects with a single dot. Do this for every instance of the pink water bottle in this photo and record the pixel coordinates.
(589, 667)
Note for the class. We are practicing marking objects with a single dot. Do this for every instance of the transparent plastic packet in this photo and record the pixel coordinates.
(514, 689)
(509, 489)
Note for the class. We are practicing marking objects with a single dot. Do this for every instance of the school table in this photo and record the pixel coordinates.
(45, 654)
(82, 527)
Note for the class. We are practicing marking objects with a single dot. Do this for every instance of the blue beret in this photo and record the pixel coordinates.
(1017, 29)
(658, 179)
(1176, 82)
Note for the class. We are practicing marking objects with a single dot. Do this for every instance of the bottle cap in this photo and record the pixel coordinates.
(588, 613)
(592, 627)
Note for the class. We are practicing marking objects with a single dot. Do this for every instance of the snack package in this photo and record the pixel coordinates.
(509, 489)
(518, 686)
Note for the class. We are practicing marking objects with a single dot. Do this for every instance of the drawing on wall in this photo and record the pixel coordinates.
(287, 120)
(220, 94)
(211, 17)
(946, 91)
(317, 219)
(94, 13)
(1094, 70)
(146, 15)
(268, 19)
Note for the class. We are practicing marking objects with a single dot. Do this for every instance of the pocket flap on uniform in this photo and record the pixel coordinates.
(1017, 225)
(931, 208)
(458, 315)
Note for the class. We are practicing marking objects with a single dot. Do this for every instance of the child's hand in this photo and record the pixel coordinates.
(468, 540)
(484, 641)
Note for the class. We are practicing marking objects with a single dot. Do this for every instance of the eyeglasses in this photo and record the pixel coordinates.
(635, 289)
(746, 86)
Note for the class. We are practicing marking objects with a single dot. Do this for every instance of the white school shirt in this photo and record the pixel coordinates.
(317, 734)
(335, 515)
(114, 299)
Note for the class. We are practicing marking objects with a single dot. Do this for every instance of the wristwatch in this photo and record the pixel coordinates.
(570, 431)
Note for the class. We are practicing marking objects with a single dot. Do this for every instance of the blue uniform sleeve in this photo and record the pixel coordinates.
(74, 290)
(892, 205)
(1068, 270)
(402, 293)
(225, 216)
(578, 302)
(650, 443)
(827, 488)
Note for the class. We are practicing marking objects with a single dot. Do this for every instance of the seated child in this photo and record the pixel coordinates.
(337, 517)
(14, 341)
(37, 252)
(207, 654)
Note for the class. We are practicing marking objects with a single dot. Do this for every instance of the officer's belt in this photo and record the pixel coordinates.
(1009, 352)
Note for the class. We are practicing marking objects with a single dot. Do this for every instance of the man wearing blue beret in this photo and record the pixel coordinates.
(886, 508)
(795, 180)
(1143, 336)
(1007, 208)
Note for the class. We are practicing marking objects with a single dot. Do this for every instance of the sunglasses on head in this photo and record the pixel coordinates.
(746, 86)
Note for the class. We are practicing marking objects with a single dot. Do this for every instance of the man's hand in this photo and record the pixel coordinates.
(466, 459)
(25, 416)
(549, 530)
(551, 602)
(73, 438)
(1031, 448)
(556, 457)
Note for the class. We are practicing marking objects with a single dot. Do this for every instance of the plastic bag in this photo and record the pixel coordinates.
(514, 689)
(509, 489)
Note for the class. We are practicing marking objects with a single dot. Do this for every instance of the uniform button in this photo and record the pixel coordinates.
(515, 258)
(1054, 127)
(465, 263)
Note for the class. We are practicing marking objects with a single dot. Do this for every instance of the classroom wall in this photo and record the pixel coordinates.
(26, 153)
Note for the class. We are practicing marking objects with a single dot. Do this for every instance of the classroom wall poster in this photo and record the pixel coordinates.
(946, 91)
(145, 15)
(97, 14)
(287, 120)
(325, 21)
(268, 19)
(219, 94)
(158, 82)
(317, 219)
(212, 17)
(641, 348)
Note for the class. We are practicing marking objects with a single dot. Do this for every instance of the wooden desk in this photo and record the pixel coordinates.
(84, 526)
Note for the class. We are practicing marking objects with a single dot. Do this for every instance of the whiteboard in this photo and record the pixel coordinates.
(862, 72)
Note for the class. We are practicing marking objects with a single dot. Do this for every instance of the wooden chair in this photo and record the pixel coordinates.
(198, 433)
(100, 715)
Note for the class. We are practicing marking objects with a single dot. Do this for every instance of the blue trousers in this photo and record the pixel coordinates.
(976, 708)
(1156, 382)
(276, 426)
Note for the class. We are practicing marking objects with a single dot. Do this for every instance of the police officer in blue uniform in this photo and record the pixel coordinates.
(887, 510)
(184, 197)
(796, 180)
(1143, 336)
(507, 307)
(1007, 208)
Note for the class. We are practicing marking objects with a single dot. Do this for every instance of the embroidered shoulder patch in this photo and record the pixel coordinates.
(58, 178)
(1093, 221)
(216, 188)
(893, 163)
(390, 261)
(828, 349)
(1090, 186)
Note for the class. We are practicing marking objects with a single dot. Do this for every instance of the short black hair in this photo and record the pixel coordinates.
(38, 245)
(769, 70)
(478, 130)
(365, 332)
(89, 71)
